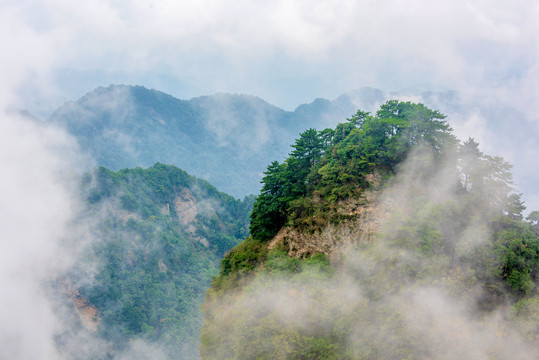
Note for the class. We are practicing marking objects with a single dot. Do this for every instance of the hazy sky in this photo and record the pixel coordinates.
(286, 51)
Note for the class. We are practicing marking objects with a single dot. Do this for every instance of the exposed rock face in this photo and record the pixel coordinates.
(203, 241)
(162, 266)
(125, 215)
(187, 210)
(186, 207)
(86, 312)
(365, 216)
(165, 210)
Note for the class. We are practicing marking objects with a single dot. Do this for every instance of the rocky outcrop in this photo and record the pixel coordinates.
(165, 209)
(186, 207)
(361, 220)
(86, 312)
(187, 210)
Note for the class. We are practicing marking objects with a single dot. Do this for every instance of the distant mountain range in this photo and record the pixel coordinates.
(226, 139)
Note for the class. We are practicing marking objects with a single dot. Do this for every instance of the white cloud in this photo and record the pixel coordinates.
(287, 52)
(233, 46)
(35, 207)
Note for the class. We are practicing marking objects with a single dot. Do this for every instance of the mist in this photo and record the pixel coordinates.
(36, 206)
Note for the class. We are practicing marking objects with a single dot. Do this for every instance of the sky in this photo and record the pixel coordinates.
(287, 52)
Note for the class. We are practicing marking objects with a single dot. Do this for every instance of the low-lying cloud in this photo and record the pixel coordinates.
(36, 207)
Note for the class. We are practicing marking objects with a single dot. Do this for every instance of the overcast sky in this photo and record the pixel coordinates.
(287, 52)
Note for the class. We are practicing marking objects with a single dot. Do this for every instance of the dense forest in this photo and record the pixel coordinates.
(425, 251)
(158, 235)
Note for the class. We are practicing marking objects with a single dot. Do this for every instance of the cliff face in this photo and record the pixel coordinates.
(362, 219)
(85, 311)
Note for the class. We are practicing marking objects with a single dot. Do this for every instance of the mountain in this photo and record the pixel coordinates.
(222, 138)
(153, 240)
(380, 237)
(385, 238)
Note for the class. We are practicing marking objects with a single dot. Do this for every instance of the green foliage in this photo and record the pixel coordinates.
(244, 257)
(335, 162)
(526, 313)
(518, 251)
(309, 213)
(279, 263)
(533, 218)
(269, 210)
(244, 333)
(153, 263)
(514, 206)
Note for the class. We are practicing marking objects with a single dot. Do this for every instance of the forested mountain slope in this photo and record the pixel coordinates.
(383, 238)
(157, 236)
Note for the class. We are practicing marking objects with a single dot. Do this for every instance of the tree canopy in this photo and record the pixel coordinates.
(335, 163)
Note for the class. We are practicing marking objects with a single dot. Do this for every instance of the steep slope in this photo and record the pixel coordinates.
(158, 235)
(385, 238)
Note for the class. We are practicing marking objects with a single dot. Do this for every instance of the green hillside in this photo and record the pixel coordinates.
(383, 238)
(157, 236)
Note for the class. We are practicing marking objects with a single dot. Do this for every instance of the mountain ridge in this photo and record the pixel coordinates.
(125, 126)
